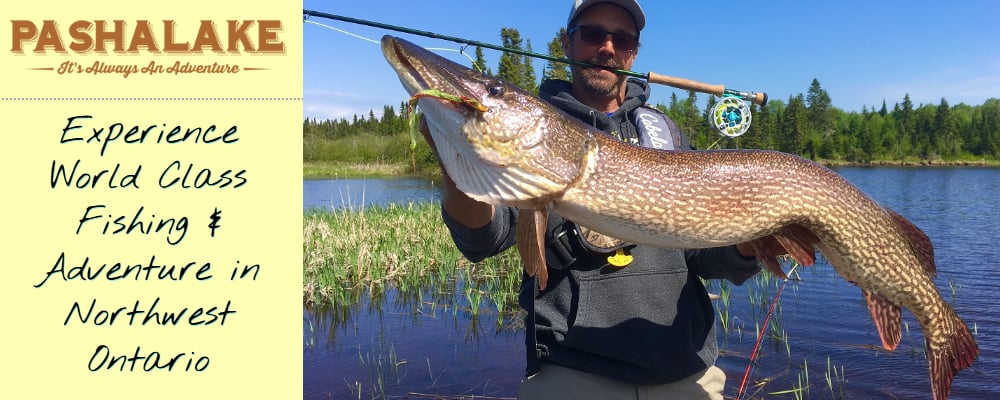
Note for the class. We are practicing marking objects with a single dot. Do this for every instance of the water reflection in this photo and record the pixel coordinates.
(393, 343)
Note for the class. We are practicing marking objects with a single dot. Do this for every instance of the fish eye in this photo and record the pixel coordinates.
(496, 89)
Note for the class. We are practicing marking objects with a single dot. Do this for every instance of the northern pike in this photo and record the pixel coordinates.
(525, 153)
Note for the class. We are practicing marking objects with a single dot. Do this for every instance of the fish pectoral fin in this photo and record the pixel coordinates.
(770, 261)
(529, 234)
(888, 317)
(799, 242)
(794, 240)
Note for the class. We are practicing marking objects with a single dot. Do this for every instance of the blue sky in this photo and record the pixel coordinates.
(860, 51)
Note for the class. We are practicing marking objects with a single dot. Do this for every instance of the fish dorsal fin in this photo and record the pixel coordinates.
(529, 235)
(919, 241)
(888, 318)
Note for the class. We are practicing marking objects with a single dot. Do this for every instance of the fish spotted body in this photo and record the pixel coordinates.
(525, 153)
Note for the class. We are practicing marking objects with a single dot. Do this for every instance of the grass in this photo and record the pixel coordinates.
(723, 305)
(343, 170)
(801, 388)
(835, 380)
(383, 366)
(405, 247)
(352, 253)
(367, 155)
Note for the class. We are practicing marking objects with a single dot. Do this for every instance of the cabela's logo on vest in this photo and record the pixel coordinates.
(653, 130)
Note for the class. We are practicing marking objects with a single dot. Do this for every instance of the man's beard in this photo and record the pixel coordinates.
(596, 81)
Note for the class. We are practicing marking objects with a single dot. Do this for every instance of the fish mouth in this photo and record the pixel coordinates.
(400, 59)
(419, 69)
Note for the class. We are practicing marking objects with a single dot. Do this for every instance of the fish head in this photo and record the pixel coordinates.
(517, 152)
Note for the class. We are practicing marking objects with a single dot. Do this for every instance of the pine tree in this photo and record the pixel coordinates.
(989, 129)
(530, 82)
(708, 120)
(693, 123)
(944, 139)
(514, 68)
(509, 66)
(387, 126)
(904, 116)
(794, 126)
(820, 111)
(553, 69)
(674, 109)
(480, 63)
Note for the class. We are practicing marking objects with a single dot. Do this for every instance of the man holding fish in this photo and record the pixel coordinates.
(615, 320)
(621, 319)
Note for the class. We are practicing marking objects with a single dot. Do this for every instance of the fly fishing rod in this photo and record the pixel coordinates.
(760, 334)
(730, 116)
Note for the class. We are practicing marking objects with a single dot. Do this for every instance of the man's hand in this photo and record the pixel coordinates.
(426, 132)
(461, 208)
(769, 245)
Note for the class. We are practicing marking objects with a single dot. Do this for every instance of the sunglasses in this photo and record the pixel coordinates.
(593, 35)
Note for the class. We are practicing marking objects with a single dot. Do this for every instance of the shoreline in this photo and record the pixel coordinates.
(383, 170)
(911, 163)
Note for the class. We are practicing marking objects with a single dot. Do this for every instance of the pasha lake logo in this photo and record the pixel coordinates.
(144, 37)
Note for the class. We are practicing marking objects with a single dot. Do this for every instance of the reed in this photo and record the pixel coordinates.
(835, 380)
(722, 306)
(954, 289)
(404, 247)
(383, 366)
(337, 169)
(799, 390)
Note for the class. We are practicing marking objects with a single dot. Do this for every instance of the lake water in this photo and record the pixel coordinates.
(431, 347)
(353, 193)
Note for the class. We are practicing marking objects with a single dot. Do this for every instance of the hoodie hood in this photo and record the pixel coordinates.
(619, 123)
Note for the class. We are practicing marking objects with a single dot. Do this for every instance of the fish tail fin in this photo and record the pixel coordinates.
(918, 241)
(958, 353)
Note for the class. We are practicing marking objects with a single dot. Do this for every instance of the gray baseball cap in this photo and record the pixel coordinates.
(631, 6)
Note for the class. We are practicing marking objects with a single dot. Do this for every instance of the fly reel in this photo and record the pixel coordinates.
(730, 116)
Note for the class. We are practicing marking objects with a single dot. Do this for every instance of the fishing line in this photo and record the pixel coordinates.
(367, 39)
(760, 335)
(652, 77)
(310, 13)
(306, 20)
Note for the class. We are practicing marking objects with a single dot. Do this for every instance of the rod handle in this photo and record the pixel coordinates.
(718, 90)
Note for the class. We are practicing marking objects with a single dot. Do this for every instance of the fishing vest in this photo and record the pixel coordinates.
(655, 131)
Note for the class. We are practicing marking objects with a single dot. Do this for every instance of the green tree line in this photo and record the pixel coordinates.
(804, 124)
(807, 125)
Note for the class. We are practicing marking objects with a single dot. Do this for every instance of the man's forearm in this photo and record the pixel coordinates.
(461, 208)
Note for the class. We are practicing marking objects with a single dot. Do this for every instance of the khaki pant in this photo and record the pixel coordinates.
(555, 382)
